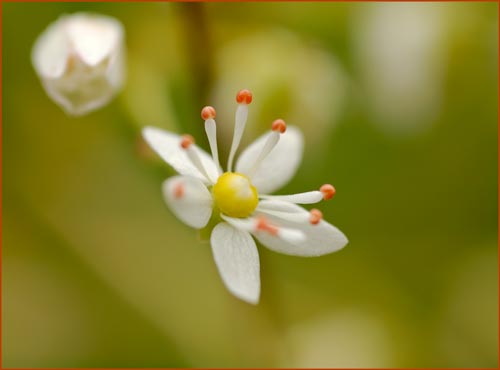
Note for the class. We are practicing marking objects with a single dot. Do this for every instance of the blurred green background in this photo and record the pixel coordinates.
(398, 103)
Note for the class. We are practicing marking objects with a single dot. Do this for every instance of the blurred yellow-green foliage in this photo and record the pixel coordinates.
(398, 103)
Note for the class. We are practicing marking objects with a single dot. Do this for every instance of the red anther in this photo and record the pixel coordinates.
(328, 191)
(179, 190)
(186, 141)
(244, 97)
(208, 112)
(315, 216)
(264, 225)
(279, 125)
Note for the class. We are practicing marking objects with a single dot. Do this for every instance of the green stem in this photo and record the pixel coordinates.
(199, 48)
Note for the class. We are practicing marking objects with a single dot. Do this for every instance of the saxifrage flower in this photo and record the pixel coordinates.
(238, 202)
(80, 61)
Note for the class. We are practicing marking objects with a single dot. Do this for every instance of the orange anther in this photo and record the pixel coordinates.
(244, 97)
(273, 230)
(179, 190)
(279, 125)
(315, 216)
(264, 225)
(328, 191)
(186, 141)
(208, 112)
(261, 223)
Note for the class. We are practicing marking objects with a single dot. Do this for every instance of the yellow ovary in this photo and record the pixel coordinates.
(235, 195)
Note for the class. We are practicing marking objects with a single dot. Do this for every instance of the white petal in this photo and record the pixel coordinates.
(194, 205)
(279, 166)
(237, 259)
(167, 145)
(94, 38)
(50, 52)
(321, 239)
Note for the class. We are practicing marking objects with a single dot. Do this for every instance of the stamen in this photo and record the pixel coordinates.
(315, 216)
(309, 197)
(243, 98)
(261, 224)
(278, 127)
(325, 192)
(290, 235)
(297, 217)
(328, 191)
(208, 114)
(179, 190)
(187, 142)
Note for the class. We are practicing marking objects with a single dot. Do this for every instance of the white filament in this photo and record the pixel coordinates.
(271, 142)
(250, 225)
(309, 197)
(211, 130)
(196, 161)
(239, 127)
(296, 217)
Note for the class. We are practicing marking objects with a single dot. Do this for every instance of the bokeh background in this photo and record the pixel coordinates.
(398, 102)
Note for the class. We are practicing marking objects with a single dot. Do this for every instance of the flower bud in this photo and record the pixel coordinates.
(80, 61)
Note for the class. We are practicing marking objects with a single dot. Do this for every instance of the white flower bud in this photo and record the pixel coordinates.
(80, 61)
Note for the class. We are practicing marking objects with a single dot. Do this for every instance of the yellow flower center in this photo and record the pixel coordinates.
(235, 195)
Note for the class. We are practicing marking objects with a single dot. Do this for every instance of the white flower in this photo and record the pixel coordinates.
(239, 202)
(79, 59)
